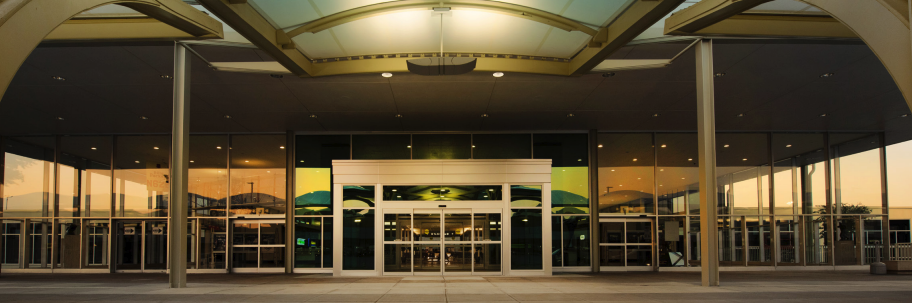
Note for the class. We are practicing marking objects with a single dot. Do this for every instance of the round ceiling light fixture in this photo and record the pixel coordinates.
(386, 75)
(498, 74)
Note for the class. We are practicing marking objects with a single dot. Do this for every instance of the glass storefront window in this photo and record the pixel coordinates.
(575, 240)
(800, 165)
(671, 232)
(526, 196)
(96, 243)
(213, 243)
(141, 177)
(41, 243)
(442, 193)
(208, 176)
(526, 235)
(787, 227)
(626, 174)
(84, 176)
(677, 171)
(856, 179)
(11, 231)
(502, 146)
(358, 239)
(381, 147)
(257, 174)
(68, 237)
(442, 146)
(569, 170)
(358, 196)
(742, 159)
(313, 171)
(28, 178)
(899, 172)
(311, 242)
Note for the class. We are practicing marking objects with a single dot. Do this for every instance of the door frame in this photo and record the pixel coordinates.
(142, 246)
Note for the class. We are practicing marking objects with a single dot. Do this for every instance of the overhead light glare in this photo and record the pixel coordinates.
(386, 75)
(690, 159)
(227, 117)
(498, 75)
(484, 115)
(218, 147)
(60, 118)
(58, 78)
(313, 116)
(788, 145)
(93, 148)
(600, 146)
(634, 159)
(823, 115)
(144, 117)
(726, 146)
(664, 146)
(398, 116)
(740, 115)
(155, 147)
(281, 147)
(745, 159)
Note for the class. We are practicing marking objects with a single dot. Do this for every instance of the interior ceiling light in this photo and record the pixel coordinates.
(823, 115)
(600, 146)
(58, 78)
(386, 75)
(313, 116)
(218, 147)
(227, 117)
(720, 75)
(155, 147)
(166, 77)
(606, 75)
(655, 115)
(634, 159)
(59, 118)
(191, 161)
(398, 116)
(484, 115)
(498, 74)
(788, 145)
(726, 145)
(441, 65)
(144, 117)
(137, 161)
(827, 75)
(93, 148)
(569, 115)
(904, 115)
(745, 159)
(690, 159)
(663, 145)
(281, 147)
(740, 115)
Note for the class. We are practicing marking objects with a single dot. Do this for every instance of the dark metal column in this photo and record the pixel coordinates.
(593, 201)
(289, 201)
(706, 133)
(180, 161)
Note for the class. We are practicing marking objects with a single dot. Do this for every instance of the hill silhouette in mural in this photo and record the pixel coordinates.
(316, 198)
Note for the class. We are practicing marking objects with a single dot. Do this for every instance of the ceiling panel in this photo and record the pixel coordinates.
(453, 97)
(355, 97)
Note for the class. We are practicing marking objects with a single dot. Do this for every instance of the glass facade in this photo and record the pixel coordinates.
(785, 199)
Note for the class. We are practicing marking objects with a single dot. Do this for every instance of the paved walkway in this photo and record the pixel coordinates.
(606, 287)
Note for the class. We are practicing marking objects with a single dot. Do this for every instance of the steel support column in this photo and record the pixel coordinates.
(180, 161)
(593, 201)
(289, 201)
(706, 136)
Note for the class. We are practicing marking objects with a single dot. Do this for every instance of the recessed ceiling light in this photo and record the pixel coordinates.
(662, 169)
(218, 147)
(58, 78)
(788, 145)
(386, 75)
(579, 160)
(313, 116)
(740, 115)
(398, 116)
(639, 178)
(726, 145)
(655, 115)
(409, 146)
(191, 161)
(137, 161)
(661, 185)
(93, 148)
(144, 117)
(155, 147)
(663, 146)
(606, 75)
(473, 146)
(569, 115)
(682, 178)
(227, 117)
(484, 115)
(166, 77)
(823, 115)
(827, 75)
(498, 74)
(600, 146)
(281, 147)
(745, 159)
(690, 159)
(634, 159)
(246, 161)
(720, 75)
(60, 118)
(904, 115)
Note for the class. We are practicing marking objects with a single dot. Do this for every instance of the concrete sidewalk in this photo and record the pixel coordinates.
(826, 286)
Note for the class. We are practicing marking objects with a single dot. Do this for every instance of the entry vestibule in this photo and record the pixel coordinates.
(435, 217)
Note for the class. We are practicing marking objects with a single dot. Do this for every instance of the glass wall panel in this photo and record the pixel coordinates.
(458, 258)
(626, 174)
(272, 257)
(244, 257)
(41, 243)
(612, 255)
(358, 239)
(68, 238)
(308, 242)
(208, 176)
(327, 242)
(357, 196)
(156, 245)
(873, 240)
(677, 174)
(213, 243)
(743, 161)
(11, 231)
(28, 178)
(759, 239)
(569, 170)
(84, 176)
(526, 235)
(257, 174)
(576, 240)
(899, 172)
(141, 176)
(526, 196)
(442, 146)
(443, 193)
(487, 227)
(96, 243)
(846, 236)
(611, 233)
(397, 257)
(457, 227)
(856, 183)
(787, 227)
(564, 150)
(800, 170)
(487, 257)
(502, 146)
(427, 258)
(557, 251)
(816, 239)
(693, 237)
(313, 173)
(381, 147)
(397, 227)
(671, 241)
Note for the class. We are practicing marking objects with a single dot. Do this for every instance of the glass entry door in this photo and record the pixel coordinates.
(258, 246)
(442, 241)
(142, 245)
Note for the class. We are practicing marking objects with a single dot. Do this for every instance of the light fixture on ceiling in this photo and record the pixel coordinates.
(904, 115)
(386, 75)
(726, 145)
(655, 115)
(606, 75)
(93, 148)
(155, 147)
(58, 78)
(823, 115)
(408, 146)
(218, 147)
(484, 115)
(166, 77)
(473, 146)
(440, 65)
(227, 117)
(60, 118)
(398, 116)
(246, 161)
(827, 75)
(144, 117)
(281, 147)
(313, 116)
(634, 159)
(664, 146)
(788, 145)
(740, 115)
(137, 161)
(569, 115)
(690, 159)
(600, 146)
(498, 75)
(191, 161)
(720, 75)
(745, 159)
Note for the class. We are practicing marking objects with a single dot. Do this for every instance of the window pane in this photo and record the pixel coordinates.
(576, 240)
(11, 233)
(502, 146)
(313, 174)
(308, 233)
(611, 232)
(443, 193)
(787, 227)
(327, 242)
(759, 239)
(899, 172)
(677, 174)
(856, 174)
(441, 146)
(570, 190)
(68, 237)
(96, 247)
(28, 180)
(357, 196)
(458, 258)
(381, 147)
(41, 243)
(487, 227)
(244, 257)
(272, 233)
(611, 255)
(639, 255)
(141, 176)
(626, 172)
(671, 241)
(208, 176)
(487, 258)
(272, 257)
(246, 234)
(742, 160)
(397, 227)
(358, 239)
(799, 159)
(397, 257)
(257, 174)
(526, 233)
(213, 243)
(526, 196)
(85, 176)
(564, 150)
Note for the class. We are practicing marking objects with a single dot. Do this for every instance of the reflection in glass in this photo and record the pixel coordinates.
(639, 255)
(759, 239)
(816, 240)
(570, 190)
(899, 172)
(639, 232)
(873, 240)
(787, 227)
(428, 227)
(856, 179)
(427, 258)
(272, 257)
(671, 241)
(314, 190)
(141, 187)
(501, 146)
(84, 177)
(28, 178)
(799, 173)
(611, 232)
(129, 245)
(526, 196)
(213, 243)
(397, 257)
(272, 233)
(257, 174)
(677, 172)
(68, 238)
(443, 193)
(458, 227)
(626, 172)
(693, 235)
(612, 255)
(357, 196)
(487, 227)
(308, 246)
(526, 234)
(358, 239)
(381, 147)
(244, 257)
(245, 234)
(576, 240)
(208, 176)
(41, 243)
(846, 233)
(397, 227)
(742, 162)
(487, 258)
(458, 258)
(156, 251)
(327, 242)
(96, 245)
(442, 146)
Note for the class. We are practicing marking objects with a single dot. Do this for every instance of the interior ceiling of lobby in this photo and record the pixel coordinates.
(774, 83)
